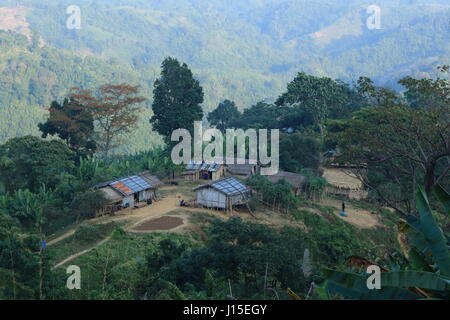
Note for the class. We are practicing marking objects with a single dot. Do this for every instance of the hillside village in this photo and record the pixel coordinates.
(97, 111)
(338, 203)
(152, 205)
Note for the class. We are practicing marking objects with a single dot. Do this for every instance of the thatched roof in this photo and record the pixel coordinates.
(294, 179)
(153, 180)
(111, 195)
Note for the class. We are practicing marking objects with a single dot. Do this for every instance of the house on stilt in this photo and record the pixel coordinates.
(225, 194)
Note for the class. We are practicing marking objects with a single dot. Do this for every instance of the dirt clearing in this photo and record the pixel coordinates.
(163, 223)
(342, 178)
(360, 218)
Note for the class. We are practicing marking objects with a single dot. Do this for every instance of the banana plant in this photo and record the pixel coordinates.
(427, 274)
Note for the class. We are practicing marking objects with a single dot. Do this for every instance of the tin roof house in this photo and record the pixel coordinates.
(241, 167)
(129, 192)
(223, 194)
(205, 171)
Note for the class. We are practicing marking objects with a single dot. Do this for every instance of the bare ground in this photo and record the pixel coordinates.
(162, 223)
(358, 217)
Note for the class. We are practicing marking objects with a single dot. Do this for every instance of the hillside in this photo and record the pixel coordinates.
(31, 77)
(245, 51)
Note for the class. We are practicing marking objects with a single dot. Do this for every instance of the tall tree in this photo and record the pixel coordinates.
(177, 99)
(224, 115)
(318, 96)
(73, 123)
(113, 107)
(401, 141)
(259, 116)
(299, 151)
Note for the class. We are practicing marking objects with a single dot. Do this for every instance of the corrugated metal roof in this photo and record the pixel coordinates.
(193, 165)
(229, 186)
(131, 185)
(199, 166)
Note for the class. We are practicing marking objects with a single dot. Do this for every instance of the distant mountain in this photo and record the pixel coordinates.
(240, 50)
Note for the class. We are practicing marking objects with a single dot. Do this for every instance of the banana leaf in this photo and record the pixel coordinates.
(418, 261)
(433, 234)
(419, 279)
(443, 197)
(354, 286)
(416, 236)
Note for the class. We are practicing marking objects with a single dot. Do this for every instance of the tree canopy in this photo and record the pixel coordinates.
(114, 109)
(73, 123)
(30, 162)
(177, 99)
(224, 116)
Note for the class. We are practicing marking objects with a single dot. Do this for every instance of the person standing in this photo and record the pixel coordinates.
(343, 206)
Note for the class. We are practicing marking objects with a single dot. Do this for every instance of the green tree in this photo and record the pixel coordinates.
(401, 142)
(73, 123)
(224, 115)
(299, 151)
(30, 162)
(177, 99)
(262, 115)
(321, 97)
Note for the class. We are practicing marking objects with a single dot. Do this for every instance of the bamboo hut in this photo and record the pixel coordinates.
(203, 171)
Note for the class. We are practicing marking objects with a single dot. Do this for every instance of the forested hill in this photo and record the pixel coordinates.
(245, 51)
(31, 77)
(255, 45)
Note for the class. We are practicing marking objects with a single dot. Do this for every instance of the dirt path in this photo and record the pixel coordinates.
(138, 216)
(60, 238)
(76, 255)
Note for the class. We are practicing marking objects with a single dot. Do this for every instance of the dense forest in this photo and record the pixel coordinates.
(244, 52)
(82, 107)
